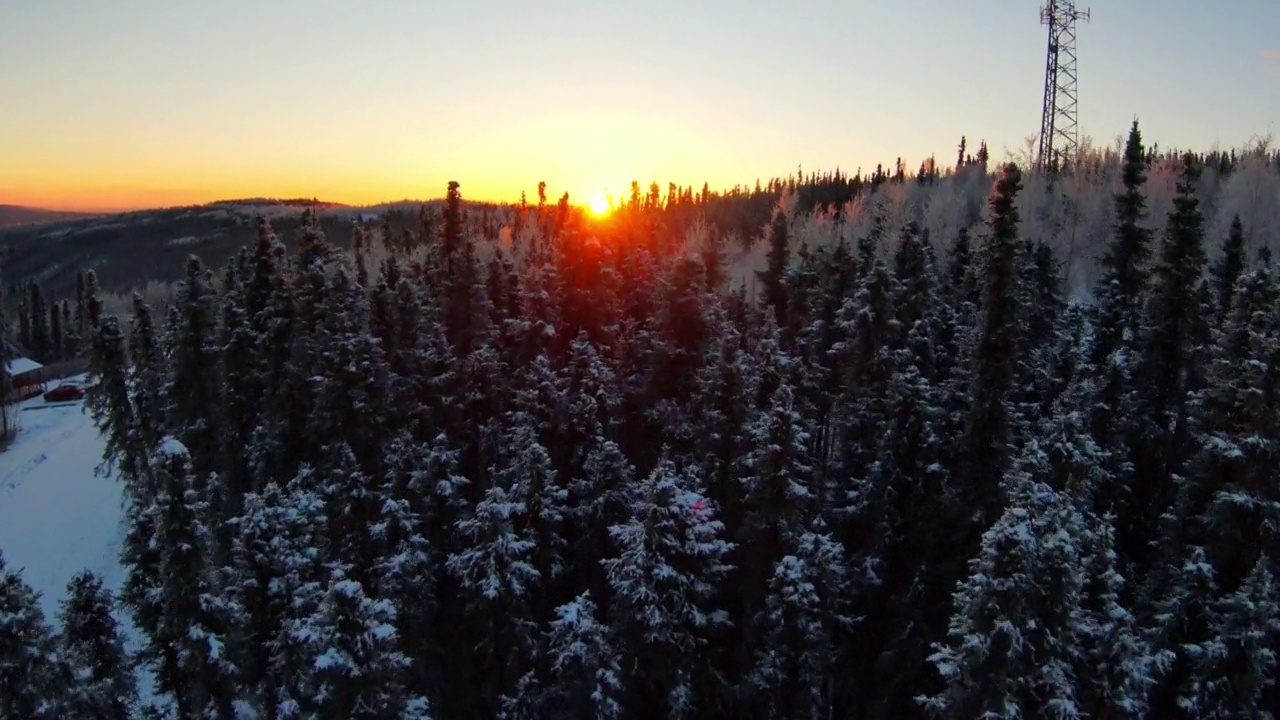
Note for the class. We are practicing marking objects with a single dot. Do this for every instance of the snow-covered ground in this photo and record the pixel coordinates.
(56, 517)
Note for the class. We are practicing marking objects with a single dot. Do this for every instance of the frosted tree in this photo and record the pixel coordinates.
(806, 610)
(989, 429)
(192, 393)
(185, 621)
(279, 550)
(1011, 650)
(1233, 668)
(103, 685)
(1225, 272)
(495, 564)
(585, 667)
(1117, 666)
(32, 679)
(354, 666)
(1231, 497)
(664, 579)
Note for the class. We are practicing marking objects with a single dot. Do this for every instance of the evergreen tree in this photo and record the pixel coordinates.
(32, 679)
(664, 579)
(1010, 651)
(170, 588)
(1234, 668)
(1121, 288)
(989, 431)
(193, 396)
(103, 683)
(805, 614)
(772, 279)
(586, 670)
(1228, 268)
(354, 667)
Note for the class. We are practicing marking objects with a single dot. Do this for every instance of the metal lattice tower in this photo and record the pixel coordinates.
(1059, 135)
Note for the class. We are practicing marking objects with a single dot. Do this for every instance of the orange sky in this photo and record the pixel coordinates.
(142, 103)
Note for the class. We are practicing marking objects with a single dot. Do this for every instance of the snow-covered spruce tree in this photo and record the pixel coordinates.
(772, 279)
(1171, 365)
(988, 434)
(173, 592)
(665, 610)
(798, 660)
(417, 493)
(350, 395)
(148, 378)
(585, 667)
(1225, 272)
(354, 667)
(108, 401)
(1181, 619)
(279, 549)
(1011, 650)
(906, 511)
(869, 332)
(237, 347)
(1233, 669)
(495, 564)
(32, 677)
(103, 685)
(776, 474)
(193, 389)
(1117, 666)
(1231, 501)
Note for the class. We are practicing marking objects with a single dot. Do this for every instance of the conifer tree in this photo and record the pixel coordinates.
(1234, 668)
(989, 430)
(103, 685)
(1125, 273)
(171, 592)
(32, 680)
(1117, 667)
(1010, 651)
(354, 668)
(586, 672)
(664, 580)
(193, 394)
(772, 279)
(1227, 269)
(806, 612)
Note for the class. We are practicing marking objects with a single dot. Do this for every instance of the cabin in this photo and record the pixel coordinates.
(24, 371)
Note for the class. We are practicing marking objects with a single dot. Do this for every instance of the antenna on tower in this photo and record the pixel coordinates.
(1059, 135)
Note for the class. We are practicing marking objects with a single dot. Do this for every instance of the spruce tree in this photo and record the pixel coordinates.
(772, 279)
(1226, 271)
(1010, 650)
(989, 430)
(103, 683)
(1121, 288)
(664, 579)
(586, 671)
(32, 679)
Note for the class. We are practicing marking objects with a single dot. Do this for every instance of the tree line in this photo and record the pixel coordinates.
(588, 474)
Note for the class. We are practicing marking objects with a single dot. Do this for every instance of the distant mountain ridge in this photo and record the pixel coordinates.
(12, 215)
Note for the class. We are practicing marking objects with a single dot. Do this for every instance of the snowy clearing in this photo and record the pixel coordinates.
(56, 517)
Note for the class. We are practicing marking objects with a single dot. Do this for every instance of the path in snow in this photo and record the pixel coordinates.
(56, 517)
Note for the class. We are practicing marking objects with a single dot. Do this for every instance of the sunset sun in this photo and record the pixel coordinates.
(599, 205)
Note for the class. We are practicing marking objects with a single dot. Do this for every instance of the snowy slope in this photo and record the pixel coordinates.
(56, 517)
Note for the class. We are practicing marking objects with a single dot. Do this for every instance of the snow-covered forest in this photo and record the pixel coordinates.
(997, 444)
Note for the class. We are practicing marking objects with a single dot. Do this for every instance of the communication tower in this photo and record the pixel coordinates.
(1059, 135)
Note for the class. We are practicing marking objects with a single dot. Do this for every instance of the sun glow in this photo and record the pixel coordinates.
(599, 205)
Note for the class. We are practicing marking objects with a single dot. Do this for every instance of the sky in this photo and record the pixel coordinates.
(144, 103)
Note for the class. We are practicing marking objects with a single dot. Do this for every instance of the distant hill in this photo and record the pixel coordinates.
(13, 215)
(129, 249)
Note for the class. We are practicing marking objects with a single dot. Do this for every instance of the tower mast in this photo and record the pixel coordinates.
(1059, 134)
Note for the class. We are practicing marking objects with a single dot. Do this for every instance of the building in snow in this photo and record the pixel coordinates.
(24, 371)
